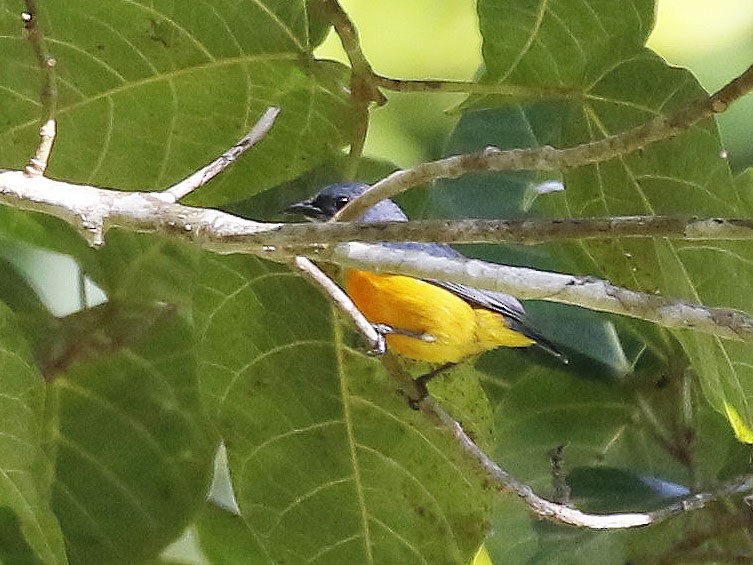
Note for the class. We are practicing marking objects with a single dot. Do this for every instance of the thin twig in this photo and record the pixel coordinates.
(343, 303)
(207, 173)
(48, 95)
(548, 158)
(565, 514)
(44, 60)
(37, 165)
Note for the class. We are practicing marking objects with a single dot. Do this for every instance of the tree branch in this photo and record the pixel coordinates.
(565, 514)
(94, 210)
(309, 237)
(548, 158)
(588, 292)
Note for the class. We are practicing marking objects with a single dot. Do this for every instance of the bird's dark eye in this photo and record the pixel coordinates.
(341, 201)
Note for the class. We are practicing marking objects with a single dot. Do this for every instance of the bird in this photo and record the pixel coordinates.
(438, 322)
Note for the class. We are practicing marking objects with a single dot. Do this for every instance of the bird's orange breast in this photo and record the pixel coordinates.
(456, 328)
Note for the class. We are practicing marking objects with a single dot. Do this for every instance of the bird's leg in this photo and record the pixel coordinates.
(423, 381)
(386, 329)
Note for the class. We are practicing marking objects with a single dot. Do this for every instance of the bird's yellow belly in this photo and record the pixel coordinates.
(404, 303)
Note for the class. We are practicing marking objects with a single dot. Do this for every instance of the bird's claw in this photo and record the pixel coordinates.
(379, 346)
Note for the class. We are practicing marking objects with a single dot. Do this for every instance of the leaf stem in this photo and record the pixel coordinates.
(470, 87)
(363, 88)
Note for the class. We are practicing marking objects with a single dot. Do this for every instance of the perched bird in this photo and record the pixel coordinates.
(428, 320)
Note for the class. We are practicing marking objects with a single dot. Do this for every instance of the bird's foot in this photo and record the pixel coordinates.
(422, 383)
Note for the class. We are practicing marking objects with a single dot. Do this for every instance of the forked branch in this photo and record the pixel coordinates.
(567, 515)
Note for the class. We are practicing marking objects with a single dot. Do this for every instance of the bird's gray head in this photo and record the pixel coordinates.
(333, 198)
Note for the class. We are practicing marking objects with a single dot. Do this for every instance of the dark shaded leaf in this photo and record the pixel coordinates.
(134, 456)
(30, 532)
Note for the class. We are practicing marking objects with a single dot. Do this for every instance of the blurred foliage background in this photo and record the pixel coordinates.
(440, 39)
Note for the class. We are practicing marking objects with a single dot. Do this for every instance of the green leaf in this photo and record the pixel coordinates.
(149, 92)
(560, 44)
(134, 455)
(619, 441)
(31, 313)
(140, 268)
(619, 85)
(30, 532)
(226, 539)
(310, 425)
(42, 231)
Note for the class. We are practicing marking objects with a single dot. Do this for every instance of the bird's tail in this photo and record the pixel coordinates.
(539, 340)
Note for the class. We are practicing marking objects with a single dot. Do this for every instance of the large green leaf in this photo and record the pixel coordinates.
(617, 84)
(560, 43)
(29, 532)
(136, 268)
(134, 455)
(150, 91)
(216, 526)
(329, 463)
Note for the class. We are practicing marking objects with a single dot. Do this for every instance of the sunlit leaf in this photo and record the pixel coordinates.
(311, 425)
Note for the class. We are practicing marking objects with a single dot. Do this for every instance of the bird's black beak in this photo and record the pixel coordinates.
(307, 209)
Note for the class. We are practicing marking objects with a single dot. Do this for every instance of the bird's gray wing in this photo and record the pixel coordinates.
(498, 302)
(495, 301)
(504, 304)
